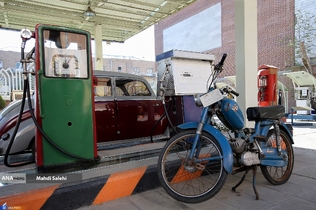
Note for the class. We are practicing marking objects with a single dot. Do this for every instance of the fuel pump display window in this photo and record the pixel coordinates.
(65, 54)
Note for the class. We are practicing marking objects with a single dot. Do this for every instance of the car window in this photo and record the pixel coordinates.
(103, 87)
(129, 87)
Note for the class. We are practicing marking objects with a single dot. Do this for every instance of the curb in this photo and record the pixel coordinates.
(87, 192)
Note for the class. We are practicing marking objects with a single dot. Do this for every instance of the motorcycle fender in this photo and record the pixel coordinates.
(288, 131)
(265, 129)
(221, 139)
(271, 156)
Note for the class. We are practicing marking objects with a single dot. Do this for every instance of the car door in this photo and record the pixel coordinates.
(105, 110)
(138, 110)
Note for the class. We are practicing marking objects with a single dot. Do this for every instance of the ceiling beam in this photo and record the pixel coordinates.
(120, 19)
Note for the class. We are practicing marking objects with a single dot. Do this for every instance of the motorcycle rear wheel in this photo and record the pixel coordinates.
(279, 175)
(187, 181)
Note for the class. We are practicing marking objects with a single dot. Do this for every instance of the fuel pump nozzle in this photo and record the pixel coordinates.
(162, 82)
(26, 34)
(162, 93)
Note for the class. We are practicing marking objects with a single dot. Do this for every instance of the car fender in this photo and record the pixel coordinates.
(221, 139)
(23, 138)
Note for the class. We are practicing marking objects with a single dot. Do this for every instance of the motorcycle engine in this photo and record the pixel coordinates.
(249, 158)
(242, 156)
(238, 145)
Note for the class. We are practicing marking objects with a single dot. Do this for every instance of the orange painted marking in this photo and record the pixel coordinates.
(33, 199)
(120, 185)
(184, 175)
(274, 144)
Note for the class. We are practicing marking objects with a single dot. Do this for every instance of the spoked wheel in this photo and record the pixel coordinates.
(279, 175)
(191, 181)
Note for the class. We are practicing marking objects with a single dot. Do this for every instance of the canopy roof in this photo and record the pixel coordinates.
(301, 78)
(120, 19)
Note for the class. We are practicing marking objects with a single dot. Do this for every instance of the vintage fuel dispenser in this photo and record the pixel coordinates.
(267, 85)
(282, 90)
(181, 74)
(64, 101)
(305, 93)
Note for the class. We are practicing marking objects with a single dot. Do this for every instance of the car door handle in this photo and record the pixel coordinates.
(156, 105)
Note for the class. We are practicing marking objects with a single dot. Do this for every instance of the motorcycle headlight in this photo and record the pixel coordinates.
(197, 99)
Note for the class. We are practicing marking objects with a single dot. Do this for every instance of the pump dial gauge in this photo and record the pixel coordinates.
(65, 65)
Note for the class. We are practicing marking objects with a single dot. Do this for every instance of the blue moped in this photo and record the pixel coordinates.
(194, 164)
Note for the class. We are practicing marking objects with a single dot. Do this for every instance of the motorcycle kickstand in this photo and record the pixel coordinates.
(254, 169)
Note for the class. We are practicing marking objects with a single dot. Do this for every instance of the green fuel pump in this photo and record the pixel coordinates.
(64, 99)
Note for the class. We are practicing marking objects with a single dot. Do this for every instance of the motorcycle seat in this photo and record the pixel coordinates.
(275, 112)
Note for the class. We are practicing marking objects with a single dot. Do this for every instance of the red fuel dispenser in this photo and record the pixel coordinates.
(267, 85)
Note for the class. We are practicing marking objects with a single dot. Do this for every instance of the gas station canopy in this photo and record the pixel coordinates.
(301, 78)
(120, 19)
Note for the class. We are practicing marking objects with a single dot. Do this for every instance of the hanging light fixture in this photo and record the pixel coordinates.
(89, 12)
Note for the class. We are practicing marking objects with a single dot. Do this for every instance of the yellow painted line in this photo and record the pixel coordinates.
(120, 185)
(33, 199)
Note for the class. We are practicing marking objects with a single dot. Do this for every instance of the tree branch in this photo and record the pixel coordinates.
(305, 58)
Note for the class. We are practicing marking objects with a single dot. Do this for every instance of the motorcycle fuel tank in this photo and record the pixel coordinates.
(232, 114)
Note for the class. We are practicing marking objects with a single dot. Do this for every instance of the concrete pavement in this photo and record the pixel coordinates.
(134, 185)
(298, 193)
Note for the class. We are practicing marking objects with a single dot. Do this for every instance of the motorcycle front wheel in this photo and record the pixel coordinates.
(279, 175)
(191, 181)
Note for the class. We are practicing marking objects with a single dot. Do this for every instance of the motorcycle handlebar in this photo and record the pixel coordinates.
(219, 66)
(234, 92)
(229, 90)
(223, 59)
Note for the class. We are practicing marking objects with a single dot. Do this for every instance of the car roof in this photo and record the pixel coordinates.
(116, 74)
(100, 73)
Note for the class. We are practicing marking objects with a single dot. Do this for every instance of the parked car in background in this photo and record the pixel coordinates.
(126, 108)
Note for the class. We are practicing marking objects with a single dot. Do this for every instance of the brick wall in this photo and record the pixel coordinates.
(146, 69)
(9, 58)
(275, 29)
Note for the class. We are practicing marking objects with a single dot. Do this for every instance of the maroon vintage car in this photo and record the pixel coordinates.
(127, 108)
(127, 112)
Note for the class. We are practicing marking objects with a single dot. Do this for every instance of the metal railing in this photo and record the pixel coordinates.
(11, 82)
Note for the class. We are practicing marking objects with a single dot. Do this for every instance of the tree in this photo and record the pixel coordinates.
(2, 103)
(305, 38)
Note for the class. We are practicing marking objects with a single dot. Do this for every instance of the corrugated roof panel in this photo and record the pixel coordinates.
(120, 19)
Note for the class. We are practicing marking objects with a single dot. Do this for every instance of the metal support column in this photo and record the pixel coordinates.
(246, 53)
(98, 48)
